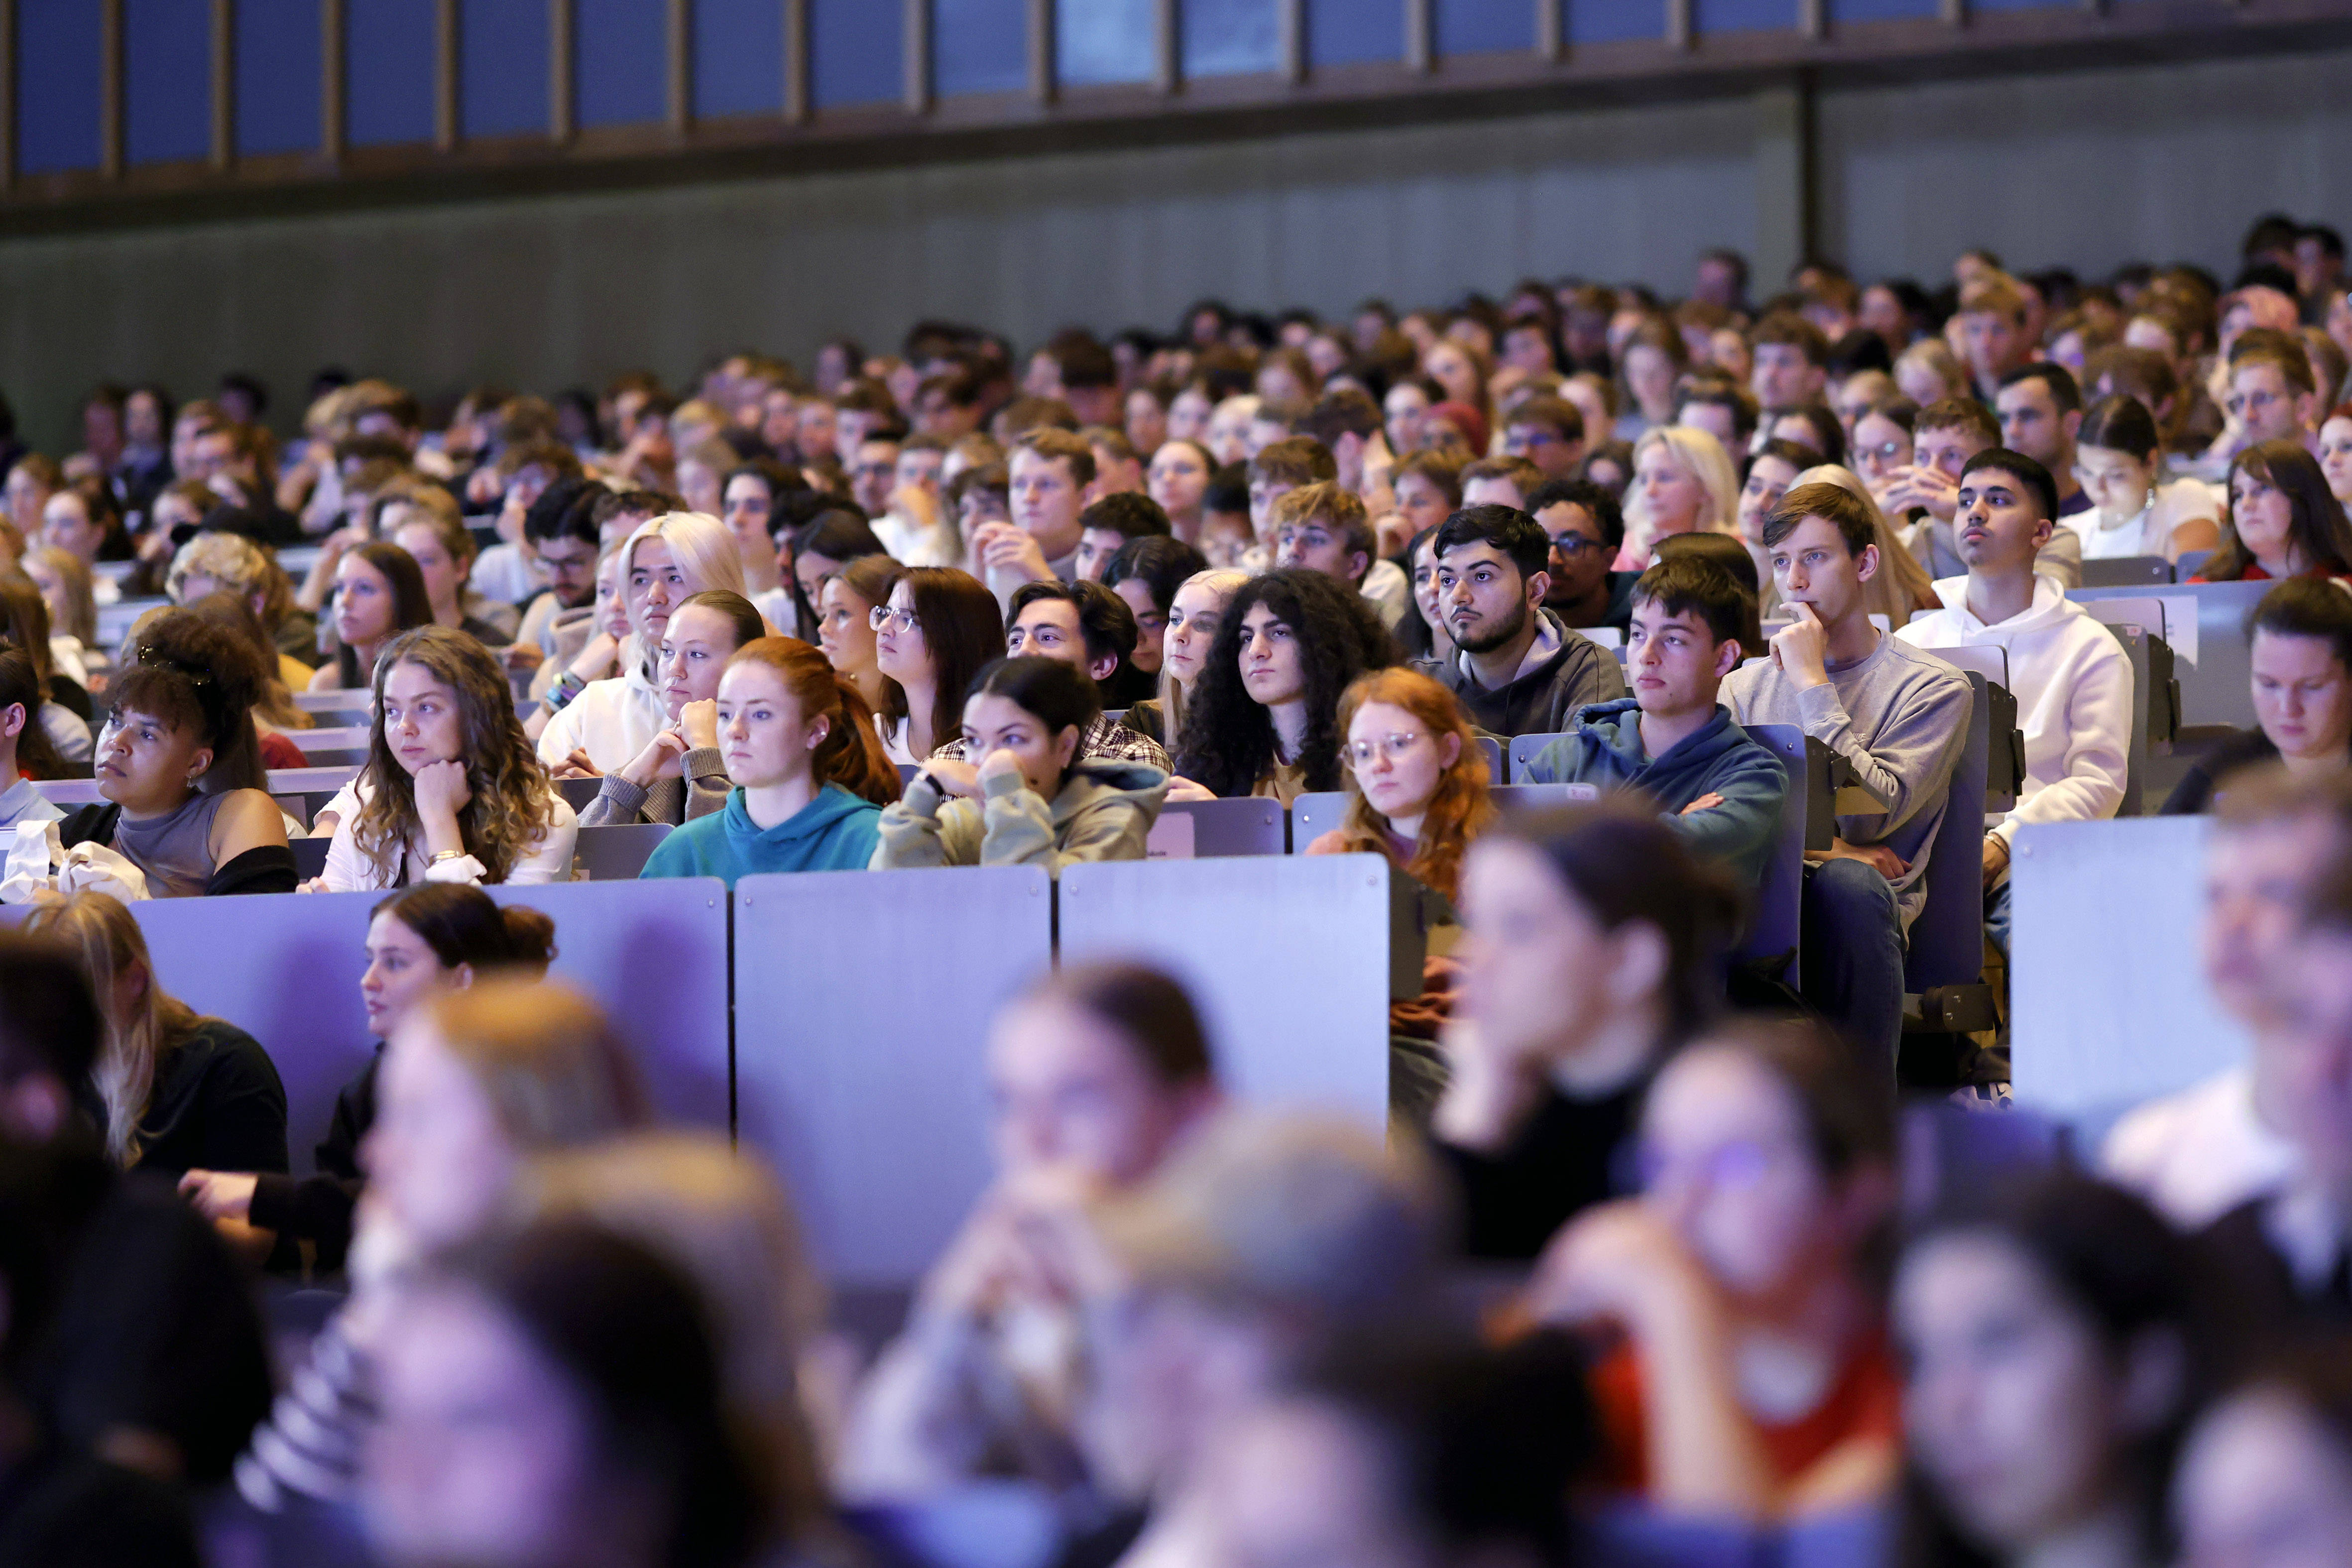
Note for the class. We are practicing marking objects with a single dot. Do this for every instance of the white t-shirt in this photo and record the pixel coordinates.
(612, 721)
(2197, 1154)
(2150, 531)
(348, 870)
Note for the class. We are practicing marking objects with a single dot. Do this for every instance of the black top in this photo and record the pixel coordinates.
(60, 1510)
(2194, 794)
(483, 632)
(1564, 1161)
(2251, 1296)
(154, 1326)
(318, 1209)
(217, 1105)
(1619, 613)
(264, 869)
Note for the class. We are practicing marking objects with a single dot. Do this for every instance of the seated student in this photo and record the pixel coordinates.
(754, 499)
(1500, 481)
(1754, 1379)
(807, 768)
(1147, 573)
(274, 712)
(1721, 790)
(1089, 628)
(594, 727)
(2283, 522)
(1586, 528)
(2049, 1357)
(1520, 670)
(1417, 778)
(1682, 483)
(1324, 529)
(564, 544)
(2199, 1153)
(939, 627)
(1035, 797)
(846, 618)
(474, 1083)
(1263, 719)
(2072, 679)
(1944, 438)
(450, 792)
(433, 938)
(1050, 470)
(379, 593)
(680, 776)
(1601, 904)
(1900, 588)
(1108, 524)
(25, 624)
(1226, 537)
(817, 549)
(425, 523)
(1547, 432)
(175, 1090)
(153, 1344)
(2119, 456)
(1898, 716)
(64, 586)
(2301, 651)
(2264, 1473)
(1180, 471)
(1097, 1074)
(26, 754)
(1194, 610)
(179, 768)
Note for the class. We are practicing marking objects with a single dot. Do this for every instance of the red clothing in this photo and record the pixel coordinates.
(1866, 1401)
(2255, 574)
(278, 752)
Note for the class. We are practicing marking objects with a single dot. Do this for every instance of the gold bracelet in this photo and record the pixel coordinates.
(442, 855)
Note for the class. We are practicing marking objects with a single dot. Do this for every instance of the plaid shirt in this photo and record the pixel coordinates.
(1103, 739)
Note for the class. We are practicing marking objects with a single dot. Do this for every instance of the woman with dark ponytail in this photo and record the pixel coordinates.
(808, 767)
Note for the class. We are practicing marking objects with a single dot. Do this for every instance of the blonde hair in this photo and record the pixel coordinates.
(721, 1218)
(1225, 582)
(705, 552)
(1901, 588)
(1698, 454)
(546, 1058)
(78, 619)
(107, 944)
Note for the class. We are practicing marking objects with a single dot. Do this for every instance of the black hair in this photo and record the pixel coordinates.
(1228, 740)
(1829, 435)
(1161, 563)
(189, 672)
(2120, 423)
(2300, 607)
(1057, 692)
(20, 683)
(1594, 498)
(1687, 584)
(2023, 469)
(564, 509)
(1130, 514)
(1105, 619)
(1227, 489)
(2064, 390)
(49, 1021)
(1860, 349)
(836, 530)
(1510, 530)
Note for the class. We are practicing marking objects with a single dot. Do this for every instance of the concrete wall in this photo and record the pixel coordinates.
(2087, 169)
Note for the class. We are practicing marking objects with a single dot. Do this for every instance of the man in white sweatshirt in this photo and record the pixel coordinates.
(2071, 677)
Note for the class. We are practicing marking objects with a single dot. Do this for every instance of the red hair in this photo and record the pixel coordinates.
(1458, 812)
(851, 754)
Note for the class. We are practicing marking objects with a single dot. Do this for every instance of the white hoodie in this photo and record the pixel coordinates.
(2073, 682)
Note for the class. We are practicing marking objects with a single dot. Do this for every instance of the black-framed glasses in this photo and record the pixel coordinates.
(1575, 544)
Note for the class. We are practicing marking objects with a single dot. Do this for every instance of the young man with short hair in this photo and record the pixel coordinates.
(1500, 481)
(1518, 670)
(2072, 679)
(1994, 338)
(1346, 420)
(1671, 738)
(1089, 628)
(2272, 395)
(1325, 527)
(1897, 715)
(2041, 408)
(873, 473)
(1118, 467)
(1792, 362)
(1587, 528)
(1108, 523)
(1278, 469)
(1721, 408)
(1547, 432)
(1943, 438)
(1050, 471)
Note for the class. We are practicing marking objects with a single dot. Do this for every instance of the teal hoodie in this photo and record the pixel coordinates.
(835, 832)
(1604, 747)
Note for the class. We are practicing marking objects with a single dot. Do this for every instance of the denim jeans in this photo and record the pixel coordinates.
(1997, 916)
(1853, 957)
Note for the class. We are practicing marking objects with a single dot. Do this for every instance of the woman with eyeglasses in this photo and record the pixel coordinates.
(1882, 443)
(1746, 1373)
(846, 621)
(1148, 573)
(1416, 777)
(937, 631)
(680, 774)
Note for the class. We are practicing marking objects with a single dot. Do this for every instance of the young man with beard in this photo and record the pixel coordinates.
(1520, 670)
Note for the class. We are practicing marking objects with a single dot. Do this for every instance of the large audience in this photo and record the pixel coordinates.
(1664, 1257)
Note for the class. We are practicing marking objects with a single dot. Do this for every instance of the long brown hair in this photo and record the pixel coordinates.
(412, 606)
(963, 629)
(2316, 524)
(1459, 809)
(106, 944)
(511, 802)
(851, 754)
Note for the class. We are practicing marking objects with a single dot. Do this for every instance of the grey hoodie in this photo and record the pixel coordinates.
(1104, 812)
(1605, 748)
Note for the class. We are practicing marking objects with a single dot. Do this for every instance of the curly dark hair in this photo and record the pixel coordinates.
(1228, 740)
